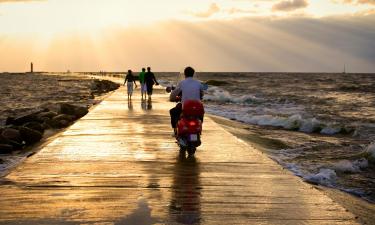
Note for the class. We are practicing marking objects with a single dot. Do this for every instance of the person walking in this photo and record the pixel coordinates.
(130, 79)
(150, 80)
(142, 83)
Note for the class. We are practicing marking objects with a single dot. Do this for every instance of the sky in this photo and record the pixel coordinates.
(210, 35)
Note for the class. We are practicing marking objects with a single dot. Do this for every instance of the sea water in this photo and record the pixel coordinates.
(327, 121)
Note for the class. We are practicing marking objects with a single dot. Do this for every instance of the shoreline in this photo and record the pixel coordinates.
(361, 208)
(13, 160)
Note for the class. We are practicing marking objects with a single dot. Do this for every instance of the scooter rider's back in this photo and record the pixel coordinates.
(189, 89)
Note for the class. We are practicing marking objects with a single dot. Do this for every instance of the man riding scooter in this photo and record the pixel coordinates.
(188, 89)
(187, 116)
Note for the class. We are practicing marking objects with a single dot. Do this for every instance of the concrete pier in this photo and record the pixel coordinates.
(120, 165)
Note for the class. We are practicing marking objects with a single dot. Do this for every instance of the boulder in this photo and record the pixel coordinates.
(73, 110)
(49, 114)
(5, 149)
(30, 136)
(34, 126)
(64, 123)
(20, 120)
(11, 134)
(16, 145)
(3, 140)
(52, 124)
(43, 119)
(66, 117)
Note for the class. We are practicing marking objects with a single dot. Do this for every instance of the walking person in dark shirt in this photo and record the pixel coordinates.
(150, 80)
(130, 79)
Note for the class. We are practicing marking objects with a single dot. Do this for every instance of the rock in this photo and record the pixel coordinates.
(16, 145)
(73, 110)
(59, 121)
(43, 119)
(11, 134)
(49, 114)
(64, 123)
(63, 120)
(103, 86)
(35, 126)
(52, 123)
(9, 120)
(20, 120)
(3, 140)
(30, 136)
(66, 117)
(5, 149)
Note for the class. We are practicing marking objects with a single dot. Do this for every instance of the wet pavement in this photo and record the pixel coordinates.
(120, 165)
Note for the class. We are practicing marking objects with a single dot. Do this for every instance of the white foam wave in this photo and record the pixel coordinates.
(325, 176)
(165, 83)
(219, 95)
(292, 122)
(347, 166)
(331, 129)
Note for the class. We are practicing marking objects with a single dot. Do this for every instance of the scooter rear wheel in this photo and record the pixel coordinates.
(191, 150)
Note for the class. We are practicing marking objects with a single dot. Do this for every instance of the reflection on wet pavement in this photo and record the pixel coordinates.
(185, 200)
(117, 166)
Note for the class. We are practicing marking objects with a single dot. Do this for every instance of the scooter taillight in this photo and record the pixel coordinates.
(189, 126)
(193, 123)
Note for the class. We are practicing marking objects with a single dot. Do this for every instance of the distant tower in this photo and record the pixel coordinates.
(32, 68)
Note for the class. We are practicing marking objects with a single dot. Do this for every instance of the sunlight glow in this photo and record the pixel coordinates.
(113, 34)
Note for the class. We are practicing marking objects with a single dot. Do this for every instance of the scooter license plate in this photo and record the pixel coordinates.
(193, 137)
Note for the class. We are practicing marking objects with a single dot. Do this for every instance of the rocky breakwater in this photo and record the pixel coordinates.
(103, 86)
(21, 131)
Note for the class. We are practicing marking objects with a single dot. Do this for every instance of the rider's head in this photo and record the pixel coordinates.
(148, 69)
(129, 72)
(189, 71)
(143, 69)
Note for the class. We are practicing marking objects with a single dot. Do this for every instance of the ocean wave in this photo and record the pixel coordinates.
(325, 177)
(166, 83)
(347, 166)
(219, 95)
(294, 122)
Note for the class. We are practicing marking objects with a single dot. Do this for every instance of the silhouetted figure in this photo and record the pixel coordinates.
(143, 83)
(150, 80)
(32, 68)
(130, 79)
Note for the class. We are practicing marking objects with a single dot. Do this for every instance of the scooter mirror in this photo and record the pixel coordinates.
(169, 89)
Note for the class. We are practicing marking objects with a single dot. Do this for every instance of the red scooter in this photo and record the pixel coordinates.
(189, 126)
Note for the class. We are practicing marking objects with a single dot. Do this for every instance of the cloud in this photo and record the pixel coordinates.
(369, 2)
(213, 9)
(246, 44)
(241, 11)
(8, 1)
(290, 5)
